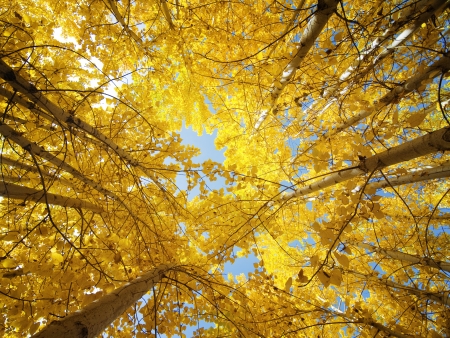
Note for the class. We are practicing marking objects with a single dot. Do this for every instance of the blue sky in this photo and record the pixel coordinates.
(208, 151)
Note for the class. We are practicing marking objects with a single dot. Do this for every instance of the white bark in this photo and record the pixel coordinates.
(424, 145)
(438, 297)
(325, 9)
(428, 9)
(16, 98)
(119, 18)
(363, 321)
(432, 71)
(23, 121)
(432, 8)
(9, 190)
(15, 163)
(416, 176)
(97, 316)
(289, 24)
(36, 150)
(37, 98)
(404, 256)
(389, 331)
(39, 112)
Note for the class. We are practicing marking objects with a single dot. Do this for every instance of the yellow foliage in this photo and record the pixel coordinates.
(94, 96)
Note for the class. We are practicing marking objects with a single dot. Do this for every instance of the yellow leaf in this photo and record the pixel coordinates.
(278, 84)
(342, 259)
(10, 236)
(57, 257)
(287, 286)
(124, 243)
(314, 260)
(34, 327)
(324, 278)
(301, 277)
(9, 263)
(415, 119)
(117, 257)
(109, 287)
(336, 277)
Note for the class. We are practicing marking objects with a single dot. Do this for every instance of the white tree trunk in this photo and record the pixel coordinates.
(363, 321)
(28, 168)
(36, 150)
(432, 71)
(438, 297)
(325, 9)
(416, 176)
(424, 145)
(289, 24)
(404, 256)
(9, 190)
(36, 97)
(429, 9)
(119, 18)
(97, 316)
(16, 98)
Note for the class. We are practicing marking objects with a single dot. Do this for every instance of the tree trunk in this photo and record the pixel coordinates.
(438, 297)
(432, 71)
(97, 316)
(424, 145)
(36, 97)
(429, 11)
(36, 150)
(9, 190)
(426, 261)
(119, 18)
(416, 176)
(325, 9)
(28, 168)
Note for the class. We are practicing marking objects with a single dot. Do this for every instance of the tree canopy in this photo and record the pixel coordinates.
(334, 117)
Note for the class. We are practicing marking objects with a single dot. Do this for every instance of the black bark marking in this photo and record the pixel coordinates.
(83, 330)
(9, 75)
(32, 89)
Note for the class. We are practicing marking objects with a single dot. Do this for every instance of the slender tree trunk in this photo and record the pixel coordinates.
(429, 9)
(289, 24)
(432, 71)
(37, 98)
(166, 12)
(389, 331)
(119, 18)
(364, 321)
(325, 9)
(438, 297)
(4, 160)
(426, 261)
(28, 168)
(36, 150)
(16, 98)
(416, 176)
(424, 145)
(23, 121)
(9, 190)
(97, 316)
